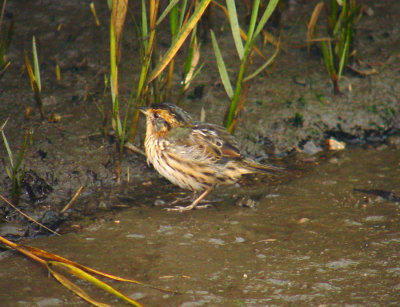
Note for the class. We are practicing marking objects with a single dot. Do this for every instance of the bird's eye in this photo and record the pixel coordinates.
(155, 115)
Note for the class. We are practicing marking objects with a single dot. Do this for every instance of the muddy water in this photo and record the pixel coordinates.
(308, 242)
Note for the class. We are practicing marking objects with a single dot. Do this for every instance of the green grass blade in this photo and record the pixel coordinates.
(267, 63)
(3, 125)
(36, 68)
(9, 152)
(116, 123)
(344, 55)
(168, 9)
(332, 19)
(173, 21)
(252, 24)
(264, 18)
(326, 48)
(113, 63)
(221, 67)
(189, 56)
(182, 15)
(109, 4)
(7, 146)
(143, 27)
(234, 23)
(21, 152)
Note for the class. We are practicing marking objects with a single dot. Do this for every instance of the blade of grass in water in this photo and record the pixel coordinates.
(90, 278)
(76, 269)
(75, 288)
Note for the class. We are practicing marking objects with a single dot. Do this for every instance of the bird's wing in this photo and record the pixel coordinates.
(204, 141)
(215, 140)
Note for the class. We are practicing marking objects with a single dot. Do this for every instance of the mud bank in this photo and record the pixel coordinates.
(290, 110)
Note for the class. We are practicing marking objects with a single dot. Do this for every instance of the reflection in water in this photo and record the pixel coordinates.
(315, 242)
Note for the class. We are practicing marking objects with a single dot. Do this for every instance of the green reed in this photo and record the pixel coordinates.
(237, 93)
(337, 47)
(15, 168)
(34, 77)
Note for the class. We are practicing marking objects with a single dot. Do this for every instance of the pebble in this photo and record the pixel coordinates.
(49, 302)
(394, 141)
(239, 240)
(247, 203)
(135, 236)
(341, 264)
(216, 241)
(375, 218)
(159, 202)
(311, 149)
(9, 229)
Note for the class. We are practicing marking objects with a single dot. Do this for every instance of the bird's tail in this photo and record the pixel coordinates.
(255, 167)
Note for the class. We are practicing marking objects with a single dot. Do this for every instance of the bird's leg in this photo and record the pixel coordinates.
(193, 204)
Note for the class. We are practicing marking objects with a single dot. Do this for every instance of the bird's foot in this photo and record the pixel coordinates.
(194, 204)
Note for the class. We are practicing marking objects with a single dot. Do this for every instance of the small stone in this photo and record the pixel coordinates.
(10, 229)
(310, 148)
(375, 218)
(135, 236)
(300, 80)
(303, 220)
(246, 202)
(394, 141)
(54, 118)
(334, 144)
(159, 202)
(216, 241)
(239, 240)
(51, 219)
(102, 205)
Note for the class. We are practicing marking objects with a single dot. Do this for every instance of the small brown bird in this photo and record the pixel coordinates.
(193, 155)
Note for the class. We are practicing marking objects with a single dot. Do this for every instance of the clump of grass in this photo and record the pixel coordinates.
(15, 167)
(238, 93)
(6, 33)
(337, 47)
(154, 85)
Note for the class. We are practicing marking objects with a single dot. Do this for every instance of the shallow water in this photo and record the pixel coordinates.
(308, 242)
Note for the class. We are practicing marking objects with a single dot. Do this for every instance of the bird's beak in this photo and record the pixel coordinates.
(143, 109)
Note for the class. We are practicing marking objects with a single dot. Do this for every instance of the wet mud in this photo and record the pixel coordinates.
(307, 242)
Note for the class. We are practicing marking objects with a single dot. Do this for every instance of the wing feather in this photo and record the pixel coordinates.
(216, 140)
(205, 141)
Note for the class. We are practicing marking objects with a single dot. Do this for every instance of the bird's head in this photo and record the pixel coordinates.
(162, 117)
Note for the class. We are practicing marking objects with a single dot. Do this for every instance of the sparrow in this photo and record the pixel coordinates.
(194, 155)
